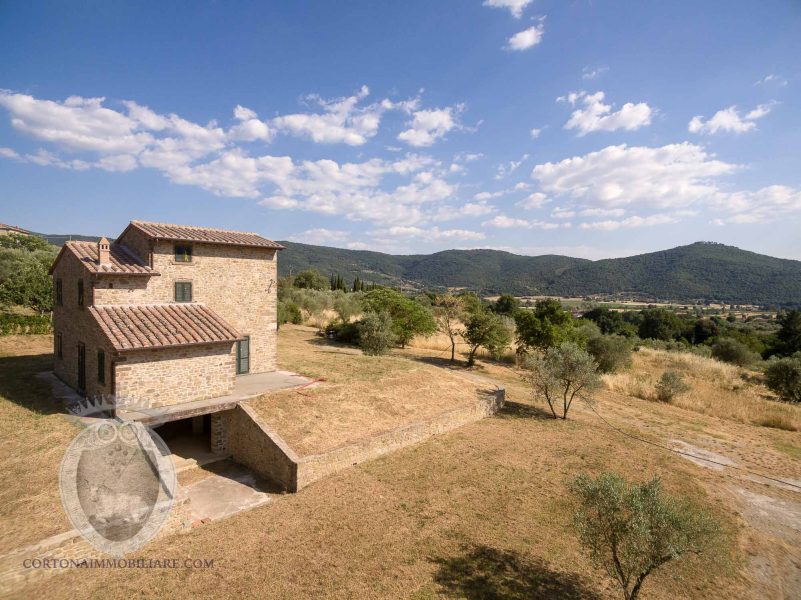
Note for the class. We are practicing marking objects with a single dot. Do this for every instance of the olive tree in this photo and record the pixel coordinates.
(409, 318)
(561, 375)
(449, 312)
(630, 530)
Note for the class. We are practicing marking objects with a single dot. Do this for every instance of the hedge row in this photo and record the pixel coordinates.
(24, 324)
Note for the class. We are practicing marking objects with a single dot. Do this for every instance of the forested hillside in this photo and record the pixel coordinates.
(700, 271)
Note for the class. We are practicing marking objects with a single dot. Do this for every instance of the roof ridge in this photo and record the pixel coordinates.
(197, 227)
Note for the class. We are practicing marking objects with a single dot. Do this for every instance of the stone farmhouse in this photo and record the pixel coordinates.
(166, 315)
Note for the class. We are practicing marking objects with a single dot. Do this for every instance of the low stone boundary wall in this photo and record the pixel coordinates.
(253, 443)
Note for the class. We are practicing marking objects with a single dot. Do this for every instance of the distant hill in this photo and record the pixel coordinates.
(700, 271)
(704, 271)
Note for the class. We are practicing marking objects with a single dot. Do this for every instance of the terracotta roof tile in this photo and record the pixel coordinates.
(123, 261)
(209, 235)
(141, 326)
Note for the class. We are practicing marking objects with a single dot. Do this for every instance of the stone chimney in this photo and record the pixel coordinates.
(103, 252)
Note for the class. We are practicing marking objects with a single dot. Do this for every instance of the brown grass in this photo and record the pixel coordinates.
(483, 511)
(718, 389)
(34, 436)
(362, 396)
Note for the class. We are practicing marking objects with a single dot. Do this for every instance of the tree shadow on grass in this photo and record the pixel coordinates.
(18, 383)
(518, 410)
(486, 573)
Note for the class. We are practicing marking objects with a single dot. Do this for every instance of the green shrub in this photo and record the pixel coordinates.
(734, 352)
(376, 335)
(289, 312)
(783, 376)
(670, 385)
(25, 324)
(611, 352)
(345, 332)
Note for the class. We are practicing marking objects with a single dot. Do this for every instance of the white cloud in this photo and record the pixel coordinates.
(562, 213)
(250, 128)
(729, 120)
(761, 206)
(528, 38)
(772, 79)
(357, 246)
(320, 236)
(341, 120)
(631, 222)
(79, 124)
(432, 233)
(597, 116)
(516, 7)
(533, 201)
(504, 222)
(427, 126)
(535, 133)
(506, 169)
(478, 196)
(676, 175)
(593, 72)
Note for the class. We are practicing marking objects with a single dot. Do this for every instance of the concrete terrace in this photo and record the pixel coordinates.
(246, 387)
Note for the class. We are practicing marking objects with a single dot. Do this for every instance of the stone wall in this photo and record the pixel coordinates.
(76, 327)
(238, 283)
(253, 443)
(152, 378)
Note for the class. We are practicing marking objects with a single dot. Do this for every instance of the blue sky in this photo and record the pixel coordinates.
(587, 128)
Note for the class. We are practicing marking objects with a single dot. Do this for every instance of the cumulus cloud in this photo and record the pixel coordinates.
(535, 133)
(427, 126)
(729, 120)
(594, 115)
(675, 175)
(528, 38)
(761, 206)
(430, 234)
(631, 222)
(505, 222)
(533, 201)
(412, 189)
(320, 236)
(516, 7)
(340, 121)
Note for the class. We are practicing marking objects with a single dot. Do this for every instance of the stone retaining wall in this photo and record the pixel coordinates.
(253, 443)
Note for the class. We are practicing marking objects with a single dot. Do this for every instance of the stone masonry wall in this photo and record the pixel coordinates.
(153, 378)
(253, 443)
(240, 284)
(76, 326)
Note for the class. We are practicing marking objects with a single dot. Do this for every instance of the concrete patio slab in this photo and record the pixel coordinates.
(246, 387)
(228, 491)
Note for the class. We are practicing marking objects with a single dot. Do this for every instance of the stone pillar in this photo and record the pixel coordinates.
(219, 434)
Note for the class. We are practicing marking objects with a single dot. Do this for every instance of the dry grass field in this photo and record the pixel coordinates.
(351, 406)
(480, 512)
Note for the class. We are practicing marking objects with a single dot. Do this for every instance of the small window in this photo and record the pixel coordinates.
(59, 293)
(101, 367)
(243, 356)
(59, 346)
(80, 292)
(183, 254)
(183, 291)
